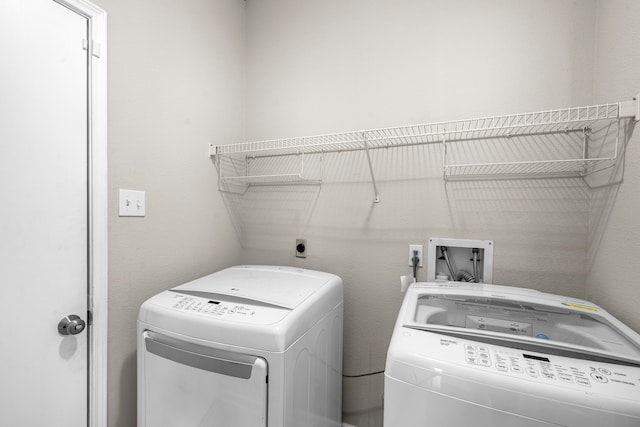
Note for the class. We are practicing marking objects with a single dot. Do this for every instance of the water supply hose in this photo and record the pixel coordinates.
(443, 250)
(475, 263)
(461, 276)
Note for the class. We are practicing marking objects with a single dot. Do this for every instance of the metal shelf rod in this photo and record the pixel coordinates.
(485, 125)
(376, 195)
(409, 144)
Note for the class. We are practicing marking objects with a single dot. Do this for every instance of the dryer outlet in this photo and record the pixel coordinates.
(301, 248)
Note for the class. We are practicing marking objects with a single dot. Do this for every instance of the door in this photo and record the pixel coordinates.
(44, 214)
(184, 384)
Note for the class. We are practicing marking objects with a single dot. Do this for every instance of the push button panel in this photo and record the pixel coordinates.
(216, 309)
(577, 373)
(477, 355)
(204, 306)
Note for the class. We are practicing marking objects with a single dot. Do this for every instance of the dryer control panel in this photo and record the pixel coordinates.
(214, 308)
(226, 310)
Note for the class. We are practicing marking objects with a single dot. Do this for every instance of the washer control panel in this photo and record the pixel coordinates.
(547, 368)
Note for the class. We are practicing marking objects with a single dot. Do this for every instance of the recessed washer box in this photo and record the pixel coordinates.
(460, 254)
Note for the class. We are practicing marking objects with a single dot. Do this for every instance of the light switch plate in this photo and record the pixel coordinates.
(131, 203)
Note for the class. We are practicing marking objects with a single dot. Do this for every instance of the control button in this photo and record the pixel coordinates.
(502, 366)
(470, 348)
(599, 377)
(472, 360)
(483, 354)
(566, 378)
(604, 371)
(517, 369)
(471, 352)
(483, 349)
(485, 362)
(549, 375)
(532, 372)
(583, 382)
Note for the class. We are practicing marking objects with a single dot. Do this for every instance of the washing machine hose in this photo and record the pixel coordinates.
(461, 276)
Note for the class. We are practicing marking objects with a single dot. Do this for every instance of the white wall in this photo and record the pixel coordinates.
(341, 65)
(176, 83)
(613, 281)
(319, 67)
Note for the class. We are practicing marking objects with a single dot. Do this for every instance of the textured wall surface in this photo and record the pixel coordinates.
(320, 67)
(615, 237)
(176, 83)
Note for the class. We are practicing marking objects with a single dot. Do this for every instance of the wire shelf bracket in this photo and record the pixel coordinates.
(376, 195)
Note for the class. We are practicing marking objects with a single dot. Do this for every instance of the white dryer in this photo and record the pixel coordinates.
(491, 356)
(246, 346)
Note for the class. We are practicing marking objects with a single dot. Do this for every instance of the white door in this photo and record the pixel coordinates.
(43, 213)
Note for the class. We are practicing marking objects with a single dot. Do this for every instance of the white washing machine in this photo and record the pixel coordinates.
(491, 356)
(246, 346)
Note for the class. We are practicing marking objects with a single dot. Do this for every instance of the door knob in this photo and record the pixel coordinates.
(71, 325)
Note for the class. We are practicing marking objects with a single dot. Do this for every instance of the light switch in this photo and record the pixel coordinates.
(131, 203)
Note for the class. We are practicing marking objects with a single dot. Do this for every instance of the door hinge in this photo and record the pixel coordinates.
(95, 47)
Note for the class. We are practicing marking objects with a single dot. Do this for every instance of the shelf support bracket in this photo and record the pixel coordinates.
(585, 143)
(585, 149)
(444, 158)
(630, 108)
(376, 195)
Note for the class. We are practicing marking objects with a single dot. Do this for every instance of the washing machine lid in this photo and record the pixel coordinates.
(284, 287)
(521, 318)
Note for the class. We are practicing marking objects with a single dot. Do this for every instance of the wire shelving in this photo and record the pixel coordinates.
(579, 124)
